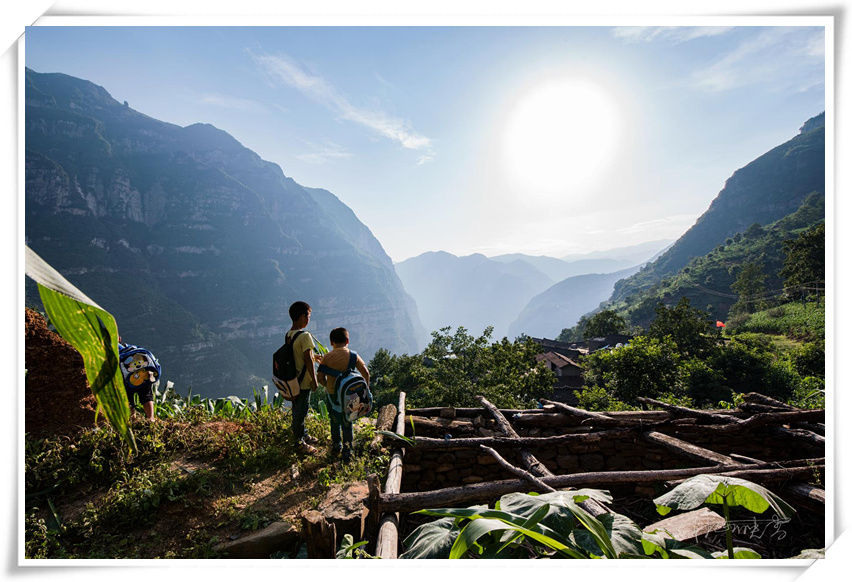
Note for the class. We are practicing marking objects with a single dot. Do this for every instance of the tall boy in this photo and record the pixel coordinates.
(303, 353)
(338, 359)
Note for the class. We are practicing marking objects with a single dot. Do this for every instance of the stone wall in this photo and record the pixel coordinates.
(425, 470)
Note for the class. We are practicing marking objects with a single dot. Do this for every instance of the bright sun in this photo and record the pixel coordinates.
(561, 136)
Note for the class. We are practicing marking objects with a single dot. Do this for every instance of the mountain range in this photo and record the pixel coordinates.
(194, 243)
(515, 293)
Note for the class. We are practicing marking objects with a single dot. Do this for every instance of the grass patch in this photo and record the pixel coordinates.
(196, 481)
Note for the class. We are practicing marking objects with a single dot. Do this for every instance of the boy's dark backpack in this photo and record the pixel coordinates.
(285, 375)
(352, 397)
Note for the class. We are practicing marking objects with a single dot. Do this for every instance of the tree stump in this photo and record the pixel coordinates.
(343, 511)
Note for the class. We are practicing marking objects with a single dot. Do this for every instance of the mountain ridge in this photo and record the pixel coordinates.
(195, 243)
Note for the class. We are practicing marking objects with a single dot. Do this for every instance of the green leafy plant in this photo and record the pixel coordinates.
(527, 526)
(727, 492)
(349, 550)
(93, 332)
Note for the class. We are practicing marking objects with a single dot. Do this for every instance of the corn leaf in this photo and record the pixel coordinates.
(93, 332)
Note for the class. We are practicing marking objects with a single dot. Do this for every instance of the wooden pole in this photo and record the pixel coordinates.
(464, 495)
(757, 398)
(530, 462)
(801, 434)
(387, 541)
(426, 443)
(689, 412)
(535, 481)
(686, 449)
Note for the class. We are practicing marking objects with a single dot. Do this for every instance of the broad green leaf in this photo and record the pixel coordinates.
(472, 532)
(93, 332)
(431, 540)
(714, 489)
(739, 554)
(539, 532)
(669, 547)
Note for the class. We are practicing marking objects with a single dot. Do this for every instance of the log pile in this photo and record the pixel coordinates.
(472, 455)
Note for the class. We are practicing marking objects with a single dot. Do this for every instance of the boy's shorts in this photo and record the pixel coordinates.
(145, 392)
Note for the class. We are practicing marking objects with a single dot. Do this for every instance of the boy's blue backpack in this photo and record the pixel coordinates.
(138, 366)
(352, 397)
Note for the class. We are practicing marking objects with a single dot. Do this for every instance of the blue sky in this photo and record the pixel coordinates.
(542, 140)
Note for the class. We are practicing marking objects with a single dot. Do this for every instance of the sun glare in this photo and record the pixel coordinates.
(561, 136)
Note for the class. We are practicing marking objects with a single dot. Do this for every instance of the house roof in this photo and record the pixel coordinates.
(558, 360)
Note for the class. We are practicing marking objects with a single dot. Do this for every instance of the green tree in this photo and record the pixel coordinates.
(750, 285)
(456, 367)
(605, 323)
(576, 333)
(647, 367)
(805, 261)
(688, 327)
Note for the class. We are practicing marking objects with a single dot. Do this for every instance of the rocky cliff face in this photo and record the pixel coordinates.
(194, 243)
(767, 189)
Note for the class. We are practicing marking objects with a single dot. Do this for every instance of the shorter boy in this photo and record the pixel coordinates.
(338, 359)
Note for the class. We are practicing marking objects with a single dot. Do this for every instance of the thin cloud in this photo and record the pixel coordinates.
(232, 103)
(670, 34)
(324, 153)
(677, 223)
(783, 58)
(287, 70)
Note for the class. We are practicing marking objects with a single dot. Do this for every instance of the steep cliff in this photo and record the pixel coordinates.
(194, 243)
(765, 190)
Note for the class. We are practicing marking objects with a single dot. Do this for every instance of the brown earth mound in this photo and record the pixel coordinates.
(57, 398)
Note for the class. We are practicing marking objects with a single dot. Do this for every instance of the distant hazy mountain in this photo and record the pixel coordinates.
(634, 254)
(194, 243)
(563, 304)
(471, 291)
(558, 269)
(765, 190)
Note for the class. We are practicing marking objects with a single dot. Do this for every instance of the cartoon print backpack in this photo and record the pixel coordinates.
(285, 376)
(351, 396)
(138, 366)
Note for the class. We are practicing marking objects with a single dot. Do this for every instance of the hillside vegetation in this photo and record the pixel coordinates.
(708, 280)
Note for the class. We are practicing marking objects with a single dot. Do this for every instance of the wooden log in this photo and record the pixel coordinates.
(387, 416)
(744, 459)
(762, 419)
(427, 443)
(529, 461)
(814, 427)
(443, 425)
(387, 540)
(587, 417)
(810, 497)
(467, 494)
(757, 398)
(753, 407)
(544, 420)
(468, 412)
(774, 475)
(535, 466)
(686, 449)
(535, 481)
(682, 411)
(800, 434)
(343, 510)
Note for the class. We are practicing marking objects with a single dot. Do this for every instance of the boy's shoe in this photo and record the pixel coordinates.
(310, 440)
(334, 453)
(306, 448)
